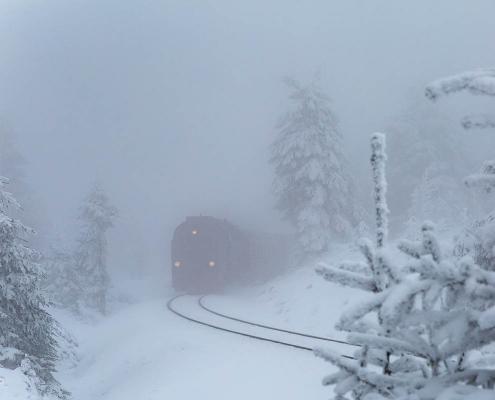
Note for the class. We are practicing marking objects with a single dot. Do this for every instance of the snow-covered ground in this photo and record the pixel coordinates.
(14, 386)
(145, 352)
(142, 351)
(300, 301)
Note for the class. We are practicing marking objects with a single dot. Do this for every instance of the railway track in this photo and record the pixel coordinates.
(255, 336)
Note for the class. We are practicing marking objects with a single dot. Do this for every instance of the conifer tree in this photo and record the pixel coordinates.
(312, 185)
(97, 217)
(26, 329)
(420, 321)
(438, 197)
(422, 142)
(62, 283)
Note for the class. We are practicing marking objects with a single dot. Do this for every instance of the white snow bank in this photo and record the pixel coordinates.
(14, 385)
(145, 352)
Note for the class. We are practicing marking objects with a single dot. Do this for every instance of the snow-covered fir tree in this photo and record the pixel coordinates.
(437, 197)
(62, 283)
(97, 217)
(420, 139)
(313, 188)
(424, 315)
(26, 329)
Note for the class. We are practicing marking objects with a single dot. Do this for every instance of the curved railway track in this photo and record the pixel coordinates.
(200, 302)
(307, 335)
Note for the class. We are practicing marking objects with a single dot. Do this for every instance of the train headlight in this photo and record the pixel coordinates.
(177, 264)
(194, 231)
(211, 263)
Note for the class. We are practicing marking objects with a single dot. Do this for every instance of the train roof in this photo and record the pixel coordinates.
(206, 221)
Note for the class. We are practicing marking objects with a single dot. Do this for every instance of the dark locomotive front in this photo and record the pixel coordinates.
(208, 253)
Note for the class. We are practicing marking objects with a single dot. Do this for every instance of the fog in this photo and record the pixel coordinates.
(172, 105)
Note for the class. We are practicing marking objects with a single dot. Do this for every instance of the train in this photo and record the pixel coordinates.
(210, 254)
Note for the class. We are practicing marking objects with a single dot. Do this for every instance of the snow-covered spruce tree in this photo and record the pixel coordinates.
(418, 323)
(437, 197)
(313, 188)
(477, 82)
(26, 328)
(97, 216)
(62, 283)
(419, 138)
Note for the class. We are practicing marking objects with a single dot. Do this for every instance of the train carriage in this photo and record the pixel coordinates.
(207, 253)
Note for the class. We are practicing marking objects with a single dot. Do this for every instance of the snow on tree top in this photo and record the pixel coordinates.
(479, 81)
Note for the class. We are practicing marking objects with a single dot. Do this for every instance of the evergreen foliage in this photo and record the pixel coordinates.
(425, 312)
(26, 329)
(62, 283)
(97, 216)
(437, 197)
(313, 188)
(426, 153)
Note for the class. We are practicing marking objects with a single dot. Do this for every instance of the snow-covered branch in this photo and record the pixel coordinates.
(391, 345)
(479, 82)
(482, 121)
(346, 278)
(378, 160)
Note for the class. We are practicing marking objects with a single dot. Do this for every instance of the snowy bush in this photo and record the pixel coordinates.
(426, 311)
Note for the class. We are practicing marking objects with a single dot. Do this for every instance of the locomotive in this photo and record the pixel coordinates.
(209, 254)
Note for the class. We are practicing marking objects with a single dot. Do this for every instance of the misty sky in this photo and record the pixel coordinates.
(172, 104)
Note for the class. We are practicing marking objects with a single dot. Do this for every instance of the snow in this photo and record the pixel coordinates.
(300, 300)
(143, 351)
(378, 163)
(146, 352)
(14, 386)
(478, 121)
(479, 81)
(460, 392)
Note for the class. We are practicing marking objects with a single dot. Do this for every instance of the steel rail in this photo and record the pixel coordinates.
(206, 308)
(220, 328)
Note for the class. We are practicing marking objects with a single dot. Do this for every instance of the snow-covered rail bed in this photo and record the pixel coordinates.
(193, 308)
